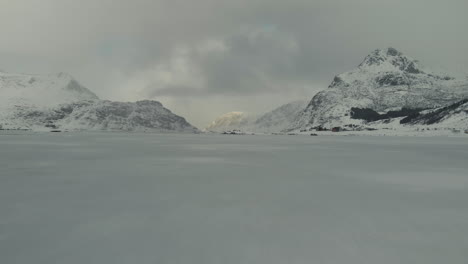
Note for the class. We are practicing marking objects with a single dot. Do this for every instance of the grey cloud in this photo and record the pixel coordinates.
(252, 61)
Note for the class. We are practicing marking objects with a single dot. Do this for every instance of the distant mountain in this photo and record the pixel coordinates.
(280, 118)
(274, 121)
(386, 81)
(59, 102)
(230, 121)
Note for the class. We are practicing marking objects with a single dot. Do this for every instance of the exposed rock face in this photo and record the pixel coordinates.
(385, 81)
(454, 115)
(370, 115)
(60, 102)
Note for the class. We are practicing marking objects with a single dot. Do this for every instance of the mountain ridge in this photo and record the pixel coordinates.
(275, 120)
(59, 102)
(386, 80)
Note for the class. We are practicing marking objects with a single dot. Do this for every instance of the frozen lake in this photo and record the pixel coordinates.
(214, 199)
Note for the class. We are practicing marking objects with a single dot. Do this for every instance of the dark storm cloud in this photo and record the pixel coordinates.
(256, 60)
(173, 49)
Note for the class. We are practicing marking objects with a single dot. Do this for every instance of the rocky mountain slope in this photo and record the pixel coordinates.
(386, 81)
(58, 102)
(452, 116)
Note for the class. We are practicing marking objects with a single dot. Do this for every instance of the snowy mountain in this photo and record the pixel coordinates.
(36, 102)
(41, 90)
(274, 121)
(280, 118)
(230, 121)
(386, 81)
(101, 115)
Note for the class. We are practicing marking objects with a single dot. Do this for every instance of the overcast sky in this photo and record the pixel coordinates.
(202, 58)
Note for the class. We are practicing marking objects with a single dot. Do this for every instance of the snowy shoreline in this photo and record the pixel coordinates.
(375, 133)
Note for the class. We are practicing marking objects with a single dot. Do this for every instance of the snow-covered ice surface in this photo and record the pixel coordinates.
(147, 198)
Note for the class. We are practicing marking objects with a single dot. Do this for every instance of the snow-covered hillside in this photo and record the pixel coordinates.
(46, 102)
(101, 115)
(385, 81)
(280, 118)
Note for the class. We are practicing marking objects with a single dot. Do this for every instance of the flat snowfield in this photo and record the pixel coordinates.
(98, 198)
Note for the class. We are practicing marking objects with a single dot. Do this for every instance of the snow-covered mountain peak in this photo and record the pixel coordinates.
(386, 80)
(390, 59)
(389, 67)
(41, 90)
